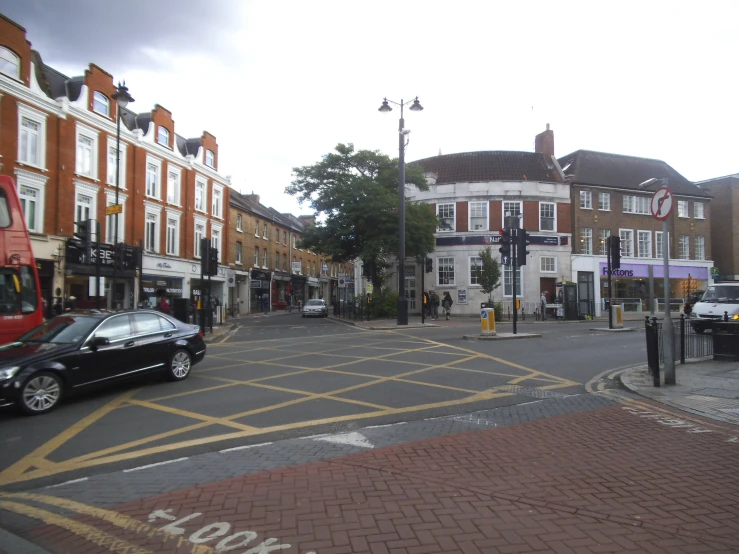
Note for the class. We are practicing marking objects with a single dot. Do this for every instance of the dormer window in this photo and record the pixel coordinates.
(10, 63)
(101, 104)
(210, 158)
(163, 136)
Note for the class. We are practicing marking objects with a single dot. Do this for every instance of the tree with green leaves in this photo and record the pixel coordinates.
(354, 195)
(489, 272)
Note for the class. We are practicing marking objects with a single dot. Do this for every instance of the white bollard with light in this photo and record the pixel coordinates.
(618, 316)
(487, 322)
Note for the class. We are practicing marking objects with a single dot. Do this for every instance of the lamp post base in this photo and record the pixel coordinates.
(402, 311)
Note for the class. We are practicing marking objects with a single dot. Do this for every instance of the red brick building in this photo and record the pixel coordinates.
(724, 224)
(58, 141)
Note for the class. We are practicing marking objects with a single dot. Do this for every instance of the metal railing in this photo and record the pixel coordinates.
(689, 344)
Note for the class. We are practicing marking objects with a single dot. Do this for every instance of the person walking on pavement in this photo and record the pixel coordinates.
(543, 306)
(434, 298)
(447, 303)
(265, 303)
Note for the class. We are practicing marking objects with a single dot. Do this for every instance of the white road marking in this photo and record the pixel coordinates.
(154, 465)
(351, 439)
(68, 483)
(244, 447)
(386, 425)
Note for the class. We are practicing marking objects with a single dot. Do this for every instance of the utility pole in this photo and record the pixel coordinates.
(610, 289)
(514, 238)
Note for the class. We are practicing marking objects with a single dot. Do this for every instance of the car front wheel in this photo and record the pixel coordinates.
(41, 393)
(179, 365)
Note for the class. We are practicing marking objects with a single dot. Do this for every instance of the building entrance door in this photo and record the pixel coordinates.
(586, 293)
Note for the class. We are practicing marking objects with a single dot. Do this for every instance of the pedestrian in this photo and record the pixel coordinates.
(426, 305)
(162, 304)
(447, 303)
(543, 306)
(58, 309)
(265, 303)
(289, 305)
(434, 298)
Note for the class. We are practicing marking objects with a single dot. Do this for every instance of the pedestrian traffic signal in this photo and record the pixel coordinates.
(367, 269)
(83, 233)
(429, 265)
(212, 261)
(615, 251)
(505, 243)
(522, 241)
(204, 255)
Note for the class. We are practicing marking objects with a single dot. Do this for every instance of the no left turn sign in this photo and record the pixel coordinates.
(662, 203)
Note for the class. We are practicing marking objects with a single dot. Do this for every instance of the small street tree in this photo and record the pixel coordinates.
(489, 273)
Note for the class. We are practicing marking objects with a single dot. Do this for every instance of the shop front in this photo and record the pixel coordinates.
(152, 286)
(324, 286)
(280, 290)
(46, 273)
(261, 282)
(313, 288)
(299, 289)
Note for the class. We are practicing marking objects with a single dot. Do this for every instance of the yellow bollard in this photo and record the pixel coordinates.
(487, 322)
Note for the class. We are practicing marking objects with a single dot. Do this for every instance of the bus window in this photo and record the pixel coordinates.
(29, 295)
(9, 296)
(5, 219)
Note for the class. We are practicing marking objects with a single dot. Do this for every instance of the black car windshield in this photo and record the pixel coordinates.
(315, 303)
(721, 293)
(64, 329)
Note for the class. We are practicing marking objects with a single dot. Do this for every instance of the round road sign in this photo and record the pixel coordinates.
(662, 203)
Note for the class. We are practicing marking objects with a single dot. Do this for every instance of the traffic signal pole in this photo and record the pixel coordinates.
(514, 247)
(609, 255)
(97, 264)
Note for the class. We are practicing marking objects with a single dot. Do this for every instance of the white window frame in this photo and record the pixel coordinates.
(174, 185)
(256, 256)
(604, 201)
(239, 223)
(162, 131)
(87, 189)
(203, 183)
(157, 163)
(109, 225)
(265, 256)
(210, 158)
(603, 234)
(471, 263)
(699, 252)
(586, 200)
(39, 118)
(439, 271)
(203, 222)
(554, 218)
(638, 205)
(265, 232)
(100, 97)
(277, 231)
(110, 160)
(156, 211)
(8, 55)
(507, 272)
(702, 210)
(626, 253)
(683, 208)
(217, 207)
(658, 246)
(453, 217)
(24, 178)
(29, 196)
(239, 252)
(476, 206)
(586, 251)
(639, 252)
(176, 216)
(541, 264)
(503, 210)
(683, 241)
(92, 135)
(216, 238)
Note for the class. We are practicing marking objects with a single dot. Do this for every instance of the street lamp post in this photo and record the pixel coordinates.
(122, 98)
(402, 132)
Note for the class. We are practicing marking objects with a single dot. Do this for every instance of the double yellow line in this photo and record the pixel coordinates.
(129, 527)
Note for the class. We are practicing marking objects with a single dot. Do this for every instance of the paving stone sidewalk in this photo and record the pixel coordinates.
(708, 388)
(614, 479)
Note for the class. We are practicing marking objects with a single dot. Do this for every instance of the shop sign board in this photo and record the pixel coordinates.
(462, 296)
(641, 271)
(256, 284)
(297, 267)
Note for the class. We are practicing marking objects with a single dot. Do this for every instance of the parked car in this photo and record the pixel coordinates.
(719, 298)
(79, 350)
(315, 307)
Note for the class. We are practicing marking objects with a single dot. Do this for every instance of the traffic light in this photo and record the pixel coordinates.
(212, 261)
(614, 246)
(204, 255)
(429, 265)
(83, 233)
(367, 269)
(505, 245)
(522, 241)
(119, 256)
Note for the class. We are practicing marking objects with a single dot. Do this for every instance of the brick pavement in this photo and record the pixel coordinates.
(614, 479)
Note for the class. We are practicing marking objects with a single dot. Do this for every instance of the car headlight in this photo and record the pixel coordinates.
(9, 372)
(735, 317)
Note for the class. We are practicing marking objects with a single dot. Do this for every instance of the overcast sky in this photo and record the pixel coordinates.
(281, 83)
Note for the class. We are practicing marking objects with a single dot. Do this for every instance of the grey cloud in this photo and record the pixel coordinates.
(114, 34)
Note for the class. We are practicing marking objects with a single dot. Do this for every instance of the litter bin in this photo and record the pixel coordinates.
(725, 341)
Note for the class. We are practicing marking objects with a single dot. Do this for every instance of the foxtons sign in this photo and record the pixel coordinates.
(618, 272)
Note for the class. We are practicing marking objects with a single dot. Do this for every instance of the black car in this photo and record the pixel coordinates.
(78, 350)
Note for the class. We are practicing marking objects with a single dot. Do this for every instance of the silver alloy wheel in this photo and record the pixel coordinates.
(41, 393)
(180, 364)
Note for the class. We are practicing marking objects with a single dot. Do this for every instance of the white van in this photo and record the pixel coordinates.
(719, 298)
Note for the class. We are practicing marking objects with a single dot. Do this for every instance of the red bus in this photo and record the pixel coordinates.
(21, 308)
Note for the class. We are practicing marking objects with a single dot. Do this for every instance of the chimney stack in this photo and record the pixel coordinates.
(544, 143)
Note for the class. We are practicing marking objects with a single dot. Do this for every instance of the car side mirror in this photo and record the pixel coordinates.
(97, 342)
